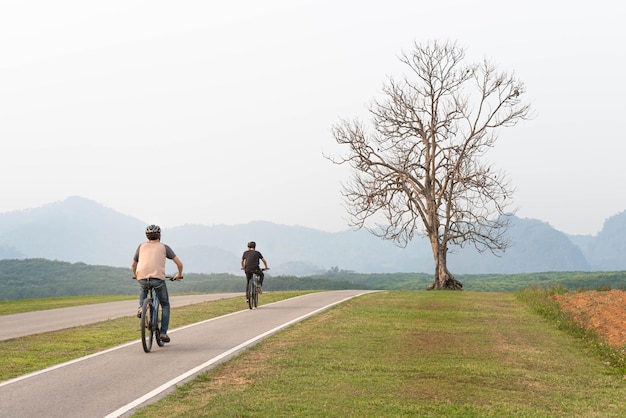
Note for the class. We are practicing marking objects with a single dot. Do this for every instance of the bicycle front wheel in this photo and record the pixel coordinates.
(157, 323)
(145, 323)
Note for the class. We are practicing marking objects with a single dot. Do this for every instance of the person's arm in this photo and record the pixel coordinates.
(243, 262)
(133, 265)
(179, 264)
(265, 263)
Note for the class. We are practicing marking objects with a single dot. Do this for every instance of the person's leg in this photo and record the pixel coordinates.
(164, 300)
(261, 276)
(143, 294)
(143, 291)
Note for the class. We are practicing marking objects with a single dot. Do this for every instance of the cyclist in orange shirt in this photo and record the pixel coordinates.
(149, 269)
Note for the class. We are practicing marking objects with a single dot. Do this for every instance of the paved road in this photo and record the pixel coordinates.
(115, 382)
(29, 323)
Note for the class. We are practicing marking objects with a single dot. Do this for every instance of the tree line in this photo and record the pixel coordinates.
(41, 278)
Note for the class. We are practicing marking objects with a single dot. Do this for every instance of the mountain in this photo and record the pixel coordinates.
(74, 230)
(607, 251)
(534, 247)
(81, 230)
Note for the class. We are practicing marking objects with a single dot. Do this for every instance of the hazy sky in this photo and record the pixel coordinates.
(220, 112)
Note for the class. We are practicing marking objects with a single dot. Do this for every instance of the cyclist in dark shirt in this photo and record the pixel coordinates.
(250, 263)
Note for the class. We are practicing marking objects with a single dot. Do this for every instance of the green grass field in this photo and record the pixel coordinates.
(389, 354)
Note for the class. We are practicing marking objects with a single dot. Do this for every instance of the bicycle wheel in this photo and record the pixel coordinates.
(250, 294)
(146, 325)
(255, 297)
(157, 323)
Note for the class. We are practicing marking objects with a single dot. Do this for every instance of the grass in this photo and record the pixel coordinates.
(400, 353)
(9, 307)
(542, 303)
(393, 354)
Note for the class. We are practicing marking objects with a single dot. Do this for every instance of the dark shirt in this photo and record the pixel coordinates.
(252, 258)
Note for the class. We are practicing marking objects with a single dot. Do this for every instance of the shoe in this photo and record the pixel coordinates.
(139, 313)
(259, 291)
(165, 338)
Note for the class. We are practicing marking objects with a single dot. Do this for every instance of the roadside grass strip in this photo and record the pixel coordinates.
(407, 353)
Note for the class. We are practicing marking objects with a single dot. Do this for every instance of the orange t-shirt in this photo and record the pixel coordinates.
(151, 258)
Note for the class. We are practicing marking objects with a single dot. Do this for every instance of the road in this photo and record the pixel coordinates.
(115, 382)
(29, 323)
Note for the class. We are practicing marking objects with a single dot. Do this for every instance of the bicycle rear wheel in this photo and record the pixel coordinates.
(145, 323)
(255, 298)
(250, 294)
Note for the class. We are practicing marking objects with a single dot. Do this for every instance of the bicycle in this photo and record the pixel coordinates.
(150, 321)
(253, 290)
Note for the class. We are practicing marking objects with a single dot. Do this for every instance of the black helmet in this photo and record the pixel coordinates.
(153, 232)
(252, 244)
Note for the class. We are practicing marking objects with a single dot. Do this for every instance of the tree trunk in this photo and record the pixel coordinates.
(444, 280)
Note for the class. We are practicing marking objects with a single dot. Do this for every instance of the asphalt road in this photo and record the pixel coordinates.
(29, 323)
(115, 382)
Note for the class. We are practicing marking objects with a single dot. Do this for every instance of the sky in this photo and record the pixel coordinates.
(221, 113)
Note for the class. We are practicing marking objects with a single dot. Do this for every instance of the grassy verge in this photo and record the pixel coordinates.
(453, 354)
(541, 301)
(9, 307)
(28, 354)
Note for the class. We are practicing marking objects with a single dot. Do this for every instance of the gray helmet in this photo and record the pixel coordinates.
(252, 244)
(153, 232)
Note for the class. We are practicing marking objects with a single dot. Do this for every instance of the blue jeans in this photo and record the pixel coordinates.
(164, 299)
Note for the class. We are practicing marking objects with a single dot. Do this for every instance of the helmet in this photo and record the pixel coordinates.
(252, 244)
(153, 232)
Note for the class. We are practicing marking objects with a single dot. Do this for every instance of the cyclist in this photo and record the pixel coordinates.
(149, 269)
(250, 264)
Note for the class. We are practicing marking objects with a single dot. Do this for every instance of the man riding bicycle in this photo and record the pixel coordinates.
(250, 264)
(149, 269)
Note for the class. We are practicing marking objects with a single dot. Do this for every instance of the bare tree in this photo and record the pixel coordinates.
(421, 167)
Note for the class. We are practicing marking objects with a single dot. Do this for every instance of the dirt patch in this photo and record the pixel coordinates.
(602, 311)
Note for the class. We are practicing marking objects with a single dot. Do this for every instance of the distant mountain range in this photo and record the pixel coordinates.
(81, 230)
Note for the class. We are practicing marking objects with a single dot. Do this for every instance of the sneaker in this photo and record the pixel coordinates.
(139, 313)
(259, 291)
(165, 338)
